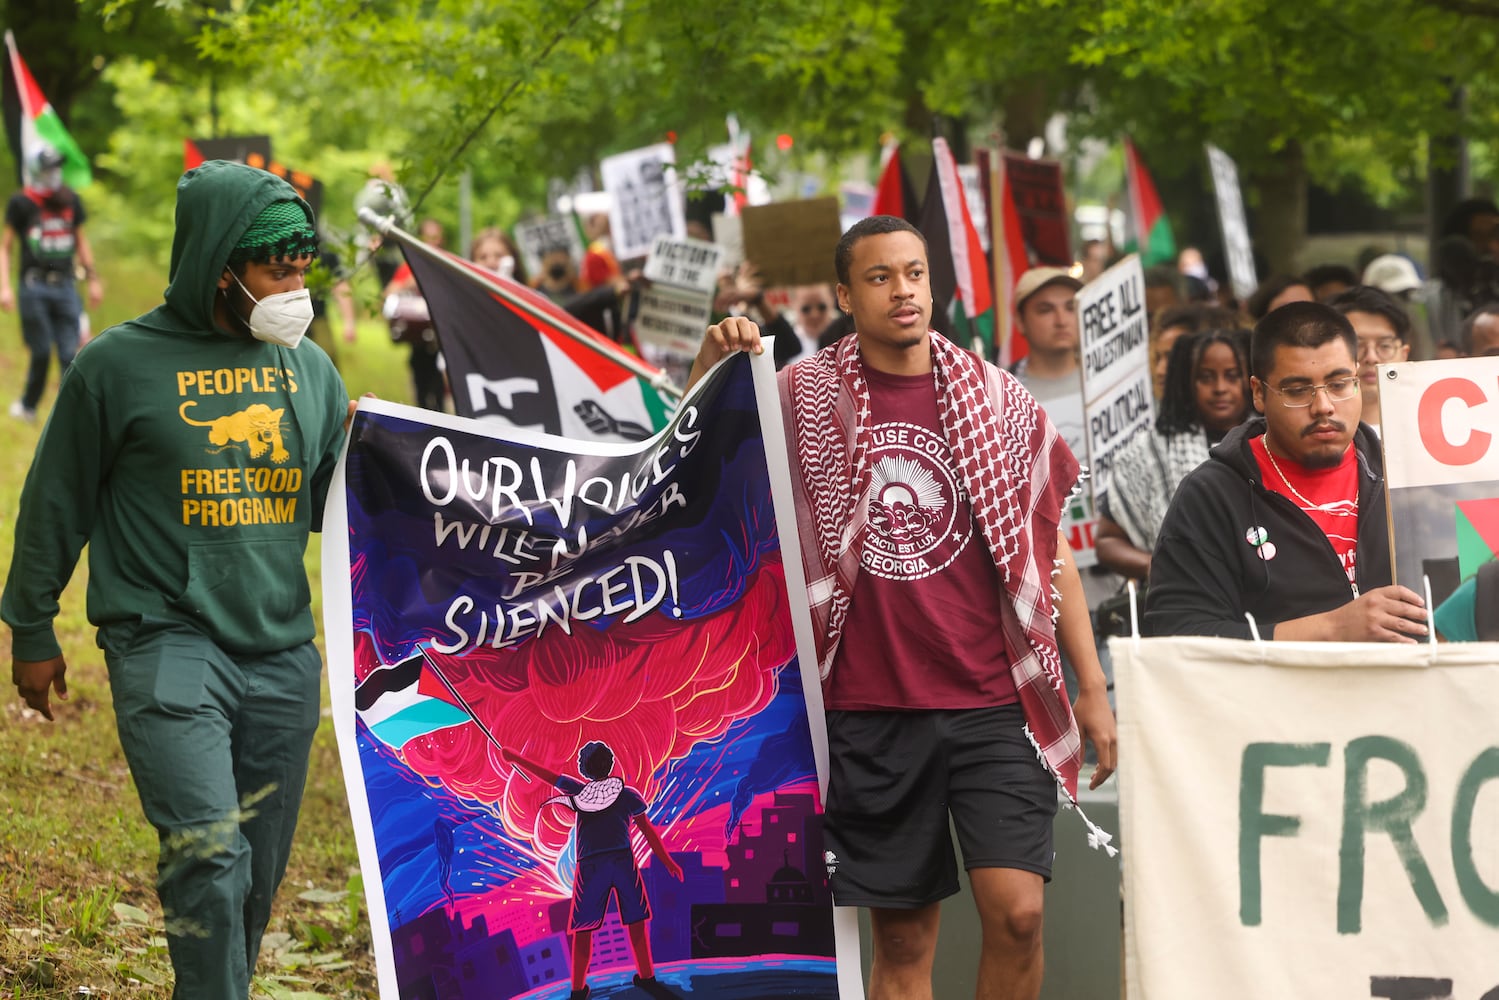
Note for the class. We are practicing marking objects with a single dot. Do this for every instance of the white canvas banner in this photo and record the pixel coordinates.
(1309, 819)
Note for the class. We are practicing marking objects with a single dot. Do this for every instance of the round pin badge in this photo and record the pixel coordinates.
(1267, 551)
(1256, 536)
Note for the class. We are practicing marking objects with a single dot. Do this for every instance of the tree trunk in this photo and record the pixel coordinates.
(1446, 170)
(1027, 107)
(1280, 216)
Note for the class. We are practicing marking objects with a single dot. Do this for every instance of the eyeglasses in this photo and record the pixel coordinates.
(1384, 348)
(812, 307)
(1338, 390)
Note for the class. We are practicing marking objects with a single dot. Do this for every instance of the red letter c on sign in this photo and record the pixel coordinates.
(1429, 419)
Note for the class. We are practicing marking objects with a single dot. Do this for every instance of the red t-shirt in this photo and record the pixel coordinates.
(924, 623)
(1328, 496)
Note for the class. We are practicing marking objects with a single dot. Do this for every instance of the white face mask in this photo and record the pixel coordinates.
(282, 318)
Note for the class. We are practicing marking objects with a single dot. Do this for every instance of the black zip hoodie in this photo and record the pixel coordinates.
(1206, 573)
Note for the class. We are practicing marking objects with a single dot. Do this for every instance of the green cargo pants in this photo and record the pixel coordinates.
(218, 746)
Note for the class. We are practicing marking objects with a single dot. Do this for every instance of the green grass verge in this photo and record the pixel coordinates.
(77, 859)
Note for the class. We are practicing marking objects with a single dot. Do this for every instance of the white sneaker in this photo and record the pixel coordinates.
(20, 412)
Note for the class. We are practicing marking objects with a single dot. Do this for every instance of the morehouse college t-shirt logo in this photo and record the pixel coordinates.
(913, 505)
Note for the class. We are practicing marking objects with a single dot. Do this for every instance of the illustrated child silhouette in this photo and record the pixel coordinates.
(606, 864)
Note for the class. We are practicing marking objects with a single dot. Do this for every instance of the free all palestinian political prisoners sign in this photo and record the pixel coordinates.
(570, 708)
(1439, 424)
(1308, 819)
(1118, 401)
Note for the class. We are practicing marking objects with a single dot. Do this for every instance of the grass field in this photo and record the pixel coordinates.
(78, 913)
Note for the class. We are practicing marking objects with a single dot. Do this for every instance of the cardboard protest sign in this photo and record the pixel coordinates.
(792, 242)
(538, 237)
(1236, 247)
(1308, 819)
(1118, 401)
(563, 670)
(1438, 423)
(1041, 201)
(646, 200)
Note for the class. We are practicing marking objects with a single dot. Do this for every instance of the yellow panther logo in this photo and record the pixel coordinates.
(256, 425)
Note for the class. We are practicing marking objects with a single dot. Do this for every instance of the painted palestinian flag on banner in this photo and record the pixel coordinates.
(959, 269)
(1149, 230)
(510, 357)
(410, 699)
(40, 124)
(894, 194)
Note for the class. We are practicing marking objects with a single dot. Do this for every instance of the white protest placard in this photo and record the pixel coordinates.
(1308, 819)
(672, 319)
(1236, 249)
(1439, 428)
(973, 194)
(538, 237)
(683, 263)
(646, 200)
(1118, 401)
(728, 236)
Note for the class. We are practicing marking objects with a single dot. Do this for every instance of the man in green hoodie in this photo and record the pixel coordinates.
(192, 449)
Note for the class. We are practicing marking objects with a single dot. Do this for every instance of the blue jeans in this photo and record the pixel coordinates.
(49, 318)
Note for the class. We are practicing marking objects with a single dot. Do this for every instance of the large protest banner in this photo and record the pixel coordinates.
(1308, 819)
(1118, 402)
(500, 607)
(645, 199)
(1438, 422)
(1236, 245)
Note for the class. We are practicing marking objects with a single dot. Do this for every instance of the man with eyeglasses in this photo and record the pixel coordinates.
(1285, 524)
(1383, 329)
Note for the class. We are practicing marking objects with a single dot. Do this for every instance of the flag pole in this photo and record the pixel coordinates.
(386, 225)
(437, 672)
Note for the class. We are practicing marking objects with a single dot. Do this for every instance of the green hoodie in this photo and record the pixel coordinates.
(194, 460)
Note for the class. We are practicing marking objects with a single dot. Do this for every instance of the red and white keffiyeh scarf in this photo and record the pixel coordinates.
(1018, 474)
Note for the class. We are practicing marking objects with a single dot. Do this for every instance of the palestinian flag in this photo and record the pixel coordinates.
(402, 702)
(40, 124)
(894, 195)
(1477, 523)
(1011, 259)
(1149, 229)
(959, 270)
(514, 357)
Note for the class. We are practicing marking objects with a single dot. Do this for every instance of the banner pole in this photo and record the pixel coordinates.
(386, 225)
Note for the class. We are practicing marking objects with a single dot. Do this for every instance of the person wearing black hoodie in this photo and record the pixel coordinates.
(192, 448)
(1285, 524)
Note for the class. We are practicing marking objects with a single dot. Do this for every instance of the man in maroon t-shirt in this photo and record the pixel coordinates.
(924, 715)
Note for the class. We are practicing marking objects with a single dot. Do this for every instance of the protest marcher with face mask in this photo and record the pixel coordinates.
(47, 217)
(192, 449)
(1286, 521)
(928, 488)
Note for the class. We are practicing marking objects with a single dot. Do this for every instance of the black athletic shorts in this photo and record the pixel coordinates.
(895, 777)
